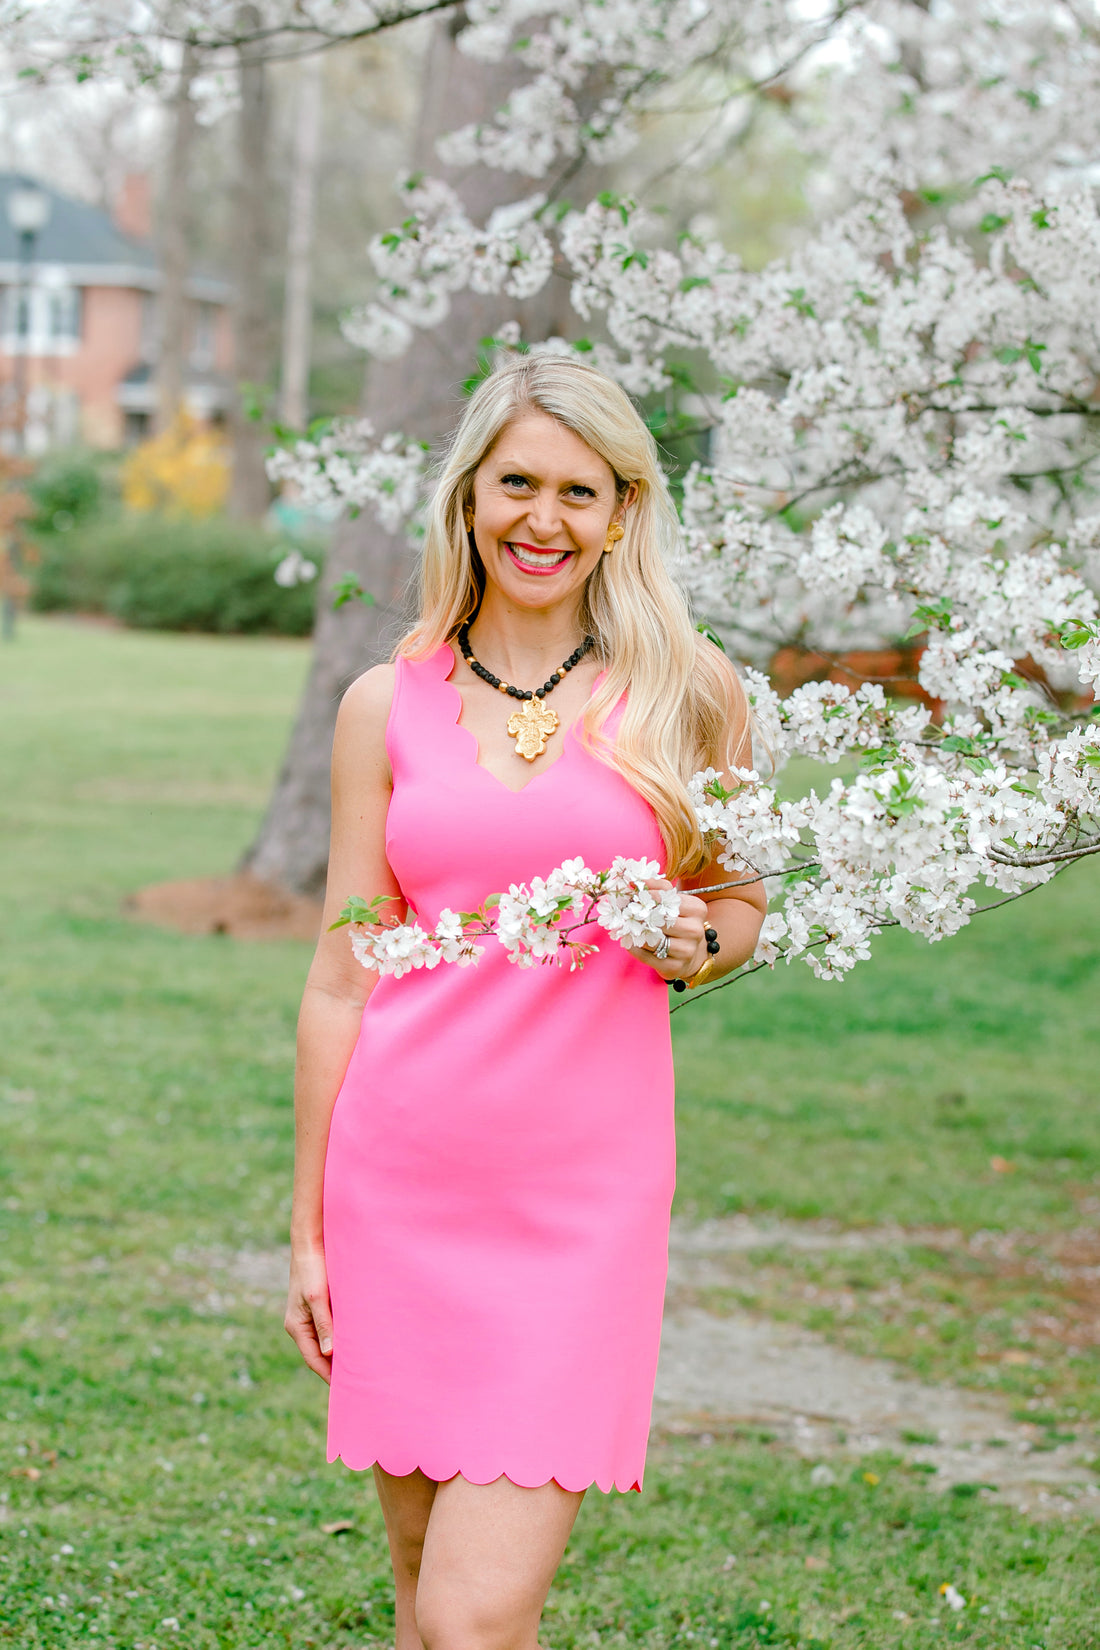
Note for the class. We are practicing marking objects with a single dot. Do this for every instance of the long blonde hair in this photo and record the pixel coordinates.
(685, 707)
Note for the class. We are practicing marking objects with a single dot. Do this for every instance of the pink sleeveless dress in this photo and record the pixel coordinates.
(501, 1161)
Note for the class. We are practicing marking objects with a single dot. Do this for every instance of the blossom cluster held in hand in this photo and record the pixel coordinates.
(534, 922)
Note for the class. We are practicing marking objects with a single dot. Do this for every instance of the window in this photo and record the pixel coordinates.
(15, 312)
(64, 312)
(202, 338)
(138, 427)
(40, 319)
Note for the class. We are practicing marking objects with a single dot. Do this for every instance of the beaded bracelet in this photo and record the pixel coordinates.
(713, 948)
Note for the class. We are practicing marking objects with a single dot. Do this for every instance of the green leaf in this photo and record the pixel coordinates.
(797, 300)
(801, 873)
(992, 222)
(357, 909)
(1029, 350)
(1075, 633)
(615, 203)
(690, 282)
(946, 195)
(711, 634)
(929, 616)
(254, 399)
(348, 589)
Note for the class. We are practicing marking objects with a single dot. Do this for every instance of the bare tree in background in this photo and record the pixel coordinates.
(250, 492)
(175, 246)
(298, 299)
(421, 395)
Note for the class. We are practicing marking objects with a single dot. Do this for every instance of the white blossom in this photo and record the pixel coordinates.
(294, 569)
(348, 465)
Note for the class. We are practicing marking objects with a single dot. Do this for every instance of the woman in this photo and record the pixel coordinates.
(492, 1147)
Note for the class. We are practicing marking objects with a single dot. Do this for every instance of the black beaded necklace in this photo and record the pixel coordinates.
(533, 724)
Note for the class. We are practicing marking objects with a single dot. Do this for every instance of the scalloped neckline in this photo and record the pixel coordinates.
(568, 737)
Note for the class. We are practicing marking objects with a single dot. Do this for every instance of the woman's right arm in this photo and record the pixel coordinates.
(336, 990)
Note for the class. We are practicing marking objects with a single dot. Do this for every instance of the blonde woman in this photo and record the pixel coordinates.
(485, 1156)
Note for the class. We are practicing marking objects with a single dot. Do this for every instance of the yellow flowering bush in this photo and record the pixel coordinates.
(183, 471)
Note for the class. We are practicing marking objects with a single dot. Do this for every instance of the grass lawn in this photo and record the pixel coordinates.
(162, 1479)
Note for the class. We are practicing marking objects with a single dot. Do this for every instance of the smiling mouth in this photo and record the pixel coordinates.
(537, 561)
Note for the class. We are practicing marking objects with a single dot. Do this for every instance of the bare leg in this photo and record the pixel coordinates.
(406, 1504)
(489, 1556)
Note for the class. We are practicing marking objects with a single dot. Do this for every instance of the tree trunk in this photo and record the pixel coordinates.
(250, 493)
(175, 244)
(298, 300)
(419, 394)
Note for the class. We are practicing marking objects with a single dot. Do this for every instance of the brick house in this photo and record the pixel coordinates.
(89, 331)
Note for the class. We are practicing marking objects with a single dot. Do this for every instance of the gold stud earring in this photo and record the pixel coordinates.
(614, 534)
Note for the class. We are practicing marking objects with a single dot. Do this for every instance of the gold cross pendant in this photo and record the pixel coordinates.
(532, 725)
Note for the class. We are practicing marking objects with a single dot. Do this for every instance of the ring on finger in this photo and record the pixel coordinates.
(661, 949)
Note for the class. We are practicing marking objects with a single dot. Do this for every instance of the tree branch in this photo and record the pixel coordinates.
(887, 922)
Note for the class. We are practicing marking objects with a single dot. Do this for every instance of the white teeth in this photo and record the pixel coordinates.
(538, 558)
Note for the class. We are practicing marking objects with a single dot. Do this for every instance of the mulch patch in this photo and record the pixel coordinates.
(240, 906)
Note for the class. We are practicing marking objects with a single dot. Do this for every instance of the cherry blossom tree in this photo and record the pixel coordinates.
(902, 412)
(903, 419)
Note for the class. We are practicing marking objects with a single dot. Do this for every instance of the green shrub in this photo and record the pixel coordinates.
(66, 491)
(165, 573)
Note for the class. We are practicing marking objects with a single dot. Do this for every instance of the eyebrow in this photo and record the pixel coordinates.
(506, 464)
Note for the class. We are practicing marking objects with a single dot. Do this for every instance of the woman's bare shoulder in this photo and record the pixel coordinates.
(365, 709)
(371, 694)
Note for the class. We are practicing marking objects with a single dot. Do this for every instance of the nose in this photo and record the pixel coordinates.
(544, 515)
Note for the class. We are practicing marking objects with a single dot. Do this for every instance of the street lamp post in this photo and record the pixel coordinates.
(28, 209)
(28, 213)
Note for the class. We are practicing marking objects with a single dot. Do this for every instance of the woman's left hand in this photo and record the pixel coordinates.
(687, 945)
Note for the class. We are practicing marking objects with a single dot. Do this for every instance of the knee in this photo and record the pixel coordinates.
(447, 1621)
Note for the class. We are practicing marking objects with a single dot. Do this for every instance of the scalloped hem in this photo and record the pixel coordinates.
(522, 1481)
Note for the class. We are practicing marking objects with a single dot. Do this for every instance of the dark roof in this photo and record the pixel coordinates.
(75, 233)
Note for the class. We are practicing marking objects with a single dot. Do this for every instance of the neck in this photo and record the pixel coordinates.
(524, 645)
